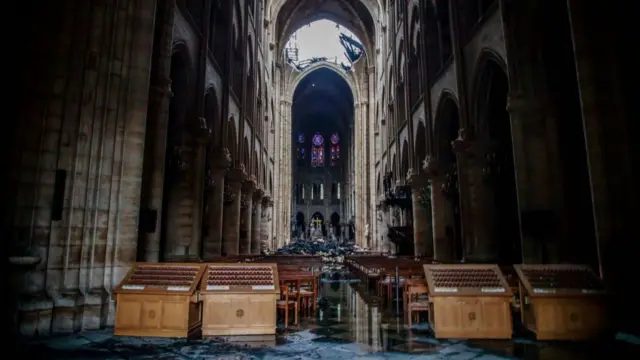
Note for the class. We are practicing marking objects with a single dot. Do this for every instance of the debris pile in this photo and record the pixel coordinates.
(331, 252)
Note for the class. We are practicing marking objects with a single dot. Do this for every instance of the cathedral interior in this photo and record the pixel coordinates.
(460, 134)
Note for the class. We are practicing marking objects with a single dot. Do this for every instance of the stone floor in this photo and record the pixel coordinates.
(348, 325)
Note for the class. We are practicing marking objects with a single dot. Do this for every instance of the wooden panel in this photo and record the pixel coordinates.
(469, 301)
(239, 299)
(159, 300)
(562, 302)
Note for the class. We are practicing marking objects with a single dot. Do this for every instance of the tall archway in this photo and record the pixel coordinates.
(404, 166)
(175, 159)
(447, 124)
(212, 116)
(577, 242)
(495, 126)
(300, 224)
(335, 224)
(420, 144)
(321, 140)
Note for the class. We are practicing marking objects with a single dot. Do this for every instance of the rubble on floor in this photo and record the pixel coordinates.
(330, 251)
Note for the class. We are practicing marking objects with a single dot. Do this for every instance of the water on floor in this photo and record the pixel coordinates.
(349, 324)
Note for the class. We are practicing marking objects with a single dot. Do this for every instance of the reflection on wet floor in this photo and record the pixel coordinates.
(349, 324)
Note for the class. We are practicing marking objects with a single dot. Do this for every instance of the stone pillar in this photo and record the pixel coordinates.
(245, 221)
(422, 235)
(213, 244)
(266, 216)
(256, 221)
(232, 200)
(202, 135)
(441, 211)
(479, 216)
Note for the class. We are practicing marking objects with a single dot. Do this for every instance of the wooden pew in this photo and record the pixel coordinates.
(239, 299)
(159, 300)
(562, 302)
(469, 302)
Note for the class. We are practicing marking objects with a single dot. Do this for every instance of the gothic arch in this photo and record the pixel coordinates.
(400, 61)
(255, 169)
(264, 175)
(212, 114)
(237, 24)
(246, 155)
(181, 74)
(446, 126)
(323, 65)
(489, 62)
(404, 165)
(420, 144)
(415, 57)
(270, 183)
(232, 139)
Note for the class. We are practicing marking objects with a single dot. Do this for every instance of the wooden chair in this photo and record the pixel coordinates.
(417, 300)
(308, 294)
(285, 304)
(405, 290)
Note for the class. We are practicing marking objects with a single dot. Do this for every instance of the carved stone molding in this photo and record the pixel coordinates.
(244, 202)
(201, 131)
(250, 185)
(431, 166)
(229, 196)
(267, 201)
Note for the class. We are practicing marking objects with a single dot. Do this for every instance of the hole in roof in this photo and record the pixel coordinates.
(323, 40)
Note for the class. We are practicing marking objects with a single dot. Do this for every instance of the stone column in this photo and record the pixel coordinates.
(256, 221)
(220, 164)
(232, 200)
(245, 221)
(202, 134)
(265, 236)
(422, 235)
(440, 212)
(479, 216)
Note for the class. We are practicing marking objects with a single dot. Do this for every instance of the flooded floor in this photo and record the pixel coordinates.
(349, 324)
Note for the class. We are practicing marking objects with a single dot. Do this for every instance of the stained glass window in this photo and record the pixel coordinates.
(317, 151)
(335, 148)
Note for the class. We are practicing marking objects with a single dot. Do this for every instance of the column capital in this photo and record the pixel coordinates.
(466, 145)
(201, 131)
(258, 193)
(249, 185)
(431, 166)
(237, 175)
(267, 201)
(417, 180)
(221, 158)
